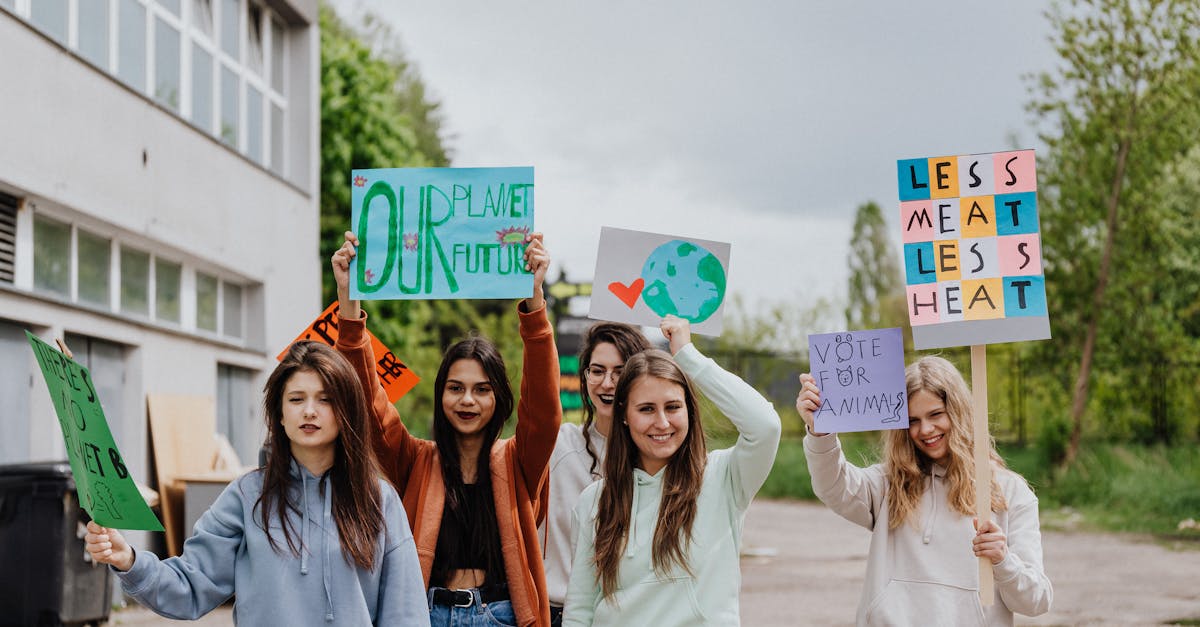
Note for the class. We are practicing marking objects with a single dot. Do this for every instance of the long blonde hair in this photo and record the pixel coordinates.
(682, 478)
(906, 467)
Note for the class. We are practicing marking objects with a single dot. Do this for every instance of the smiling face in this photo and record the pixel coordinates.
(929, 424)
(307, 415)
(657, 415)
(468, 399)
(602, 391)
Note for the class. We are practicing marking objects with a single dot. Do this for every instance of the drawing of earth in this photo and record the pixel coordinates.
(683, 279)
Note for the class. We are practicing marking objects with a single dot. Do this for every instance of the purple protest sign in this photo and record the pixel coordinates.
(861, 378)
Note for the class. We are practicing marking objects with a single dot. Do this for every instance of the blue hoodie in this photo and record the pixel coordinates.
(229, 553)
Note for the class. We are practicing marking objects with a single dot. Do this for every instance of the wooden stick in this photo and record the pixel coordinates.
(983, 463)
(62, 346)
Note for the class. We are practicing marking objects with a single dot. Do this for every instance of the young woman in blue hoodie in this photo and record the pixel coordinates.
(316, 537)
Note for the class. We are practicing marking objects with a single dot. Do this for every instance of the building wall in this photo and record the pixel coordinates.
(82, 147)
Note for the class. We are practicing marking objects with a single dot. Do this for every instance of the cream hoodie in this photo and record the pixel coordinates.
(928, 574)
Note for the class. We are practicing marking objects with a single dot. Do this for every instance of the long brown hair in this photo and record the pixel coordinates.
(628, 341)
(906, 468)
(354, 476)
(683, 476)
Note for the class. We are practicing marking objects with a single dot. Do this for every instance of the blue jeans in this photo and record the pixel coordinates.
(555, 616)
(478, 614)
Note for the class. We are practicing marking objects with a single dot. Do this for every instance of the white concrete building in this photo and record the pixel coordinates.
(158, 206)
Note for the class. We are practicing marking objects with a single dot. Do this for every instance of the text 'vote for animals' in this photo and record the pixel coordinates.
(102, 481)
(642, 277)
(972, 249)
(861, 378)
(395, 376)
(427, 233)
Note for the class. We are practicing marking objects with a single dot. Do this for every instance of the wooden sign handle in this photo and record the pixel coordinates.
(983, 463)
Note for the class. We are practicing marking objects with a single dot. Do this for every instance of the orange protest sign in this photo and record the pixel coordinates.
(396, 377)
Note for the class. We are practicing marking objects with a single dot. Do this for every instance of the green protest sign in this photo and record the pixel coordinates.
(101, 479)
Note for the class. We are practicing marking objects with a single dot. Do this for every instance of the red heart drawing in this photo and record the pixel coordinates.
(628, 293)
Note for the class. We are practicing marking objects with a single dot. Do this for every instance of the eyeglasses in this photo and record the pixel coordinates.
(597, 374)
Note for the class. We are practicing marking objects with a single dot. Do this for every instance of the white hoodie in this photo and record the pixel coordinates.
(928, 574)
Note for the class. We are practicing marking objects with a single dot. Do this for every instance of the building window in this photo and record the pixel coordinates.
(8, 238)
(254, 124)
(105, 361)
(52, 256)
(166, 64)
(95, 269)
(166, 290)
(232, 310)
(93, 31)
(202, 88)
(206, 302)
(225, 46)
(237, 411)
(135, 282)
(131, 40)
(50, 16)
(229, 107)
(230, 37)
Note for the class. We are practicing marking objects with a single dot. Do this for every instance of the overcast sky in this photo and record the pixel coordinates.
(761, 124)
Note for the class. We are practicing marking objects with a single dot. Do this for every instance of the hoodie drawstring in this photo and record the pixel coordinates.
(327, 572)
(927, 537)
(304, 525)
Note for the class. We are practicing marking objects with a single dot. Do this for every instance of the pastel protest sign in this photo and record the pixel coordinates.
(396, 377)
(861, 378)
(642, 277)
(972, 249)
(427, 233)
(105, 489)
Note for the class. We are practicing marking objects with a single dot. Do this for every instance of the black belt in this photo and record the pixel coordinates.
(464, 598)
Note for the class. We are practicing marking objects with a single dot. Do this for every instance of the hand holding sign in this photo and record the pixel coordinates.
(859, 376)
(108, 546)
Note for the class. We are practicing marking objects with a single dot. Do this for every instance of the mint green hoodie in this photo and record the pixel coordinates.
(732, 476)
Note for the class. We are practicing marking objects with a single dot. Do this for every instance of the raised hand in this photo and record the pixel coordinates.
(537, 261)
(340, 261)
(808, 401)
(108, 546)
(677, 331)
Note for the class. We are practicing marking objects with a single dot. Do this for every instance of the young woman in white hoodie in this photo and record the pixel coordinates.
(922, 566)
(658, 539)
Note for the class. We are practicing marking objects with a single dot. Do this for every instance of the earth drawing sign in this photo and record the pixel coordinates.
(972, 249)
(642, 277)
(428, 233)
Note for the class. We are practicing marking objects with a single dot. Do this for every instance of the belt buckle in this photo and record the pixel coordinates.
(470, 598)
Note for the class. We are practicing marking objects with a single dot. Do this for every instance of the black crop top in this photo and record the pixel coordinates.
(465, 538)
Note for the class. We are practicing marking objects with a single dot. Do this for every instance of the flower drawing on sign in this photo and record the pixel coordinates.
(360, 181)
(512, 235)
(370, 275)
(411, 240)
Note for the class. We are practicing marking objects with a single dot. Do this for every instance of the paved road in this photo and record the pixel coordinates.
(805, 566)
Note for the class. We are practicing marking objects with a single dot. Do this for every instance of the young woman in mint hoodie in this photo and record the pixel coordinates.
(316, 537)
(923, 564)
(657, 540)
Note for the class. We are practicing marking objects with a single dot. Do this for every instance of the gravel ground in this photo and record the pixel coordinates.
(804, 565)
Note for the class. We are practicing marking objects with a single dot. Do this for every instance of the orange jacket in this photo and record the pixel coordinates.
(520, 483)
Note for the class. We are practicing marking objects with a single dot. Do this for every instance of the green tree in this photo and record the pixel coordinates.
(876, 290)
(1117, 112)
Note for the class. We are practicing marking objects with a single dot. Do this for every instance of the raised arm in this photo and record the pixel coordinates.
(756, 420)
(394, 445)
(191, 585)
(539, 412)
(854, 493)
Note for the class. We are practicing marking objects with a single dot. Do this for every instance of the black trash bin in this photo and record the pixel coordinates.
(46, 577)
